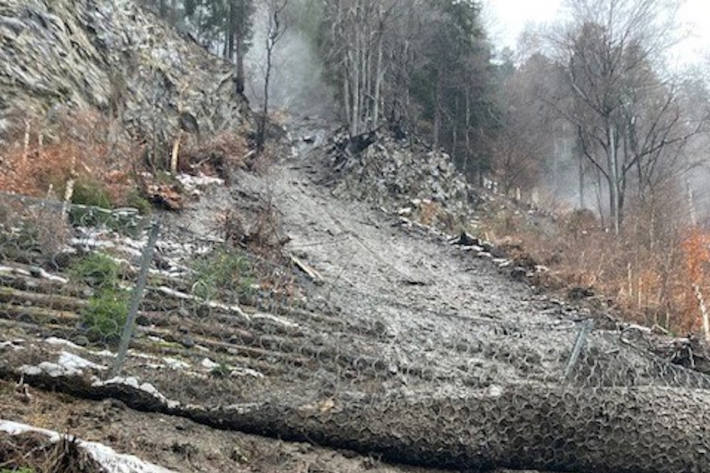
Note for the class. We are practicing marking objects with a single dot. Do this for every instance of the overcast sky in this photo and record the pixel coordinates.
(506, 19)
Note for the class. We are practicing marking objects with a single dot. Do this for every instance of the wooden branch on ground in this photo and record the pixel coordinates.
(312, 274)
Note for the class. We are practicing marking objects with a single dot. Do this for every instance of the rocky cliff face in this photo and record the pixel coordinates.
(115, 57)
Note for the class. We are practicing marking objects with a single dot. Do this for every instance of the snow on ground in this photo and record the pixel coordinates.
(108, 458)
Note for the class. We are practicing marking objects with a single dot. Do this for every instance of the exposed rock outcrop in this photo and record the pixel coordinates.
(115, 57)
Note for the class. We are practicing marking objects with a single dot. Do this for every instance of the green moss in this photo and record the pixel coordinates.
(18, 470)
(223, 270)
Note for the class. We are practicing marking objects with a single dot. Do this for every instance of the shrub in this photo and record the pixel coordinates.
(137, 201)
(105, 315)
(91, 193)
(220, 371)
(51, 150)
(223, 270)
(96, 270)
(32, 235)
(215, 155)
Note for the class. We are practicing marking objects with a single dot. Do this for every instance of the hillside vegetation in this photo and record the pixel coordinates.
(367, 265)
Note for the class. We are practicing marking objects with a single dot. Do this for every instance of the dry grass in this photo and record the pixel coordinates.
(40, 157)
(259, 232)
(215, 155)
(32, 234)
(32, 452)
(648, 271)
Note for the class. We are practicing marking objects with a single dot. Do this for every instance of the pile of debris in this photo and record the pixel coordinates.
(400, 175)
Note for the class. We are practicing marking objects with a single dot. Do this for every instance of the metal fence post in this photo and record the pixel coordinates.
(136, 298)
(579, 342)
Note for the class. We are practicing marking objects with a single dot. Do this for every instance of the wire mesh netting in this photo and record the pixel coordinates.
(220, 326)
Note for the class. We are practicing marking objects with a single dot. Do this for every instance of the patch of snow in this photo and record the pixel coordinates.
(92, 243)
(12, 270)
(273, 318)
(51, 277)
(237, 372)
(108, 458)
(14, 344)
(192, 183)
(36, 272)
(235, 309)
(176, 364)
(71, 361)
(137, 354)
(134, 383)
(104, 354)
(209, 364)
(233, 370)
(62, 342)
(68, 364)
(53, 370)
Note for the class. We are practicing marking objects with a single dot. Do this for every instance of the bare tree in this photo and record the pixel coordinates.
(356, 37)
(275, 31)
(625, 112)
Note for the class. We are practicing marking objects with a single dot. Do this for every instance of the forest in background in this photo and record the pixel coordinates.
(586, 119)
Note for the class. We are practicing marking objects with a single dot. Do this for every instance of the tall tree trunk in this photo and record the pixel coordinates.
(467, 135)
(455, 140)
(355, 123)
(614, 179)
(346, 98)
(231, 33)
(581, 183)
(240, 63)
(437, 107)
(378, 82)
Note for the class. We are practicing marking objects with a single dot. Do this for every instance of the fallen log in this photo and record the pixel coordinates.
(553, 428)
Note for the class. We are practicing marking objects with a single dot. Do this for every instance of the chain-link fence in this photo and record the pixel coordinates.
(216, 325)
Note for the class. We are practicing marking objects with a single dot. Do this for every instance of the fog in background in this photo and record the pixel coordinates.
(297, 79)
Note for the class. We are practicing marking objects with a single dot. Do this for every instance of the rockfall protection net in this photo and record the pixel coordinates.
(223, 328)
